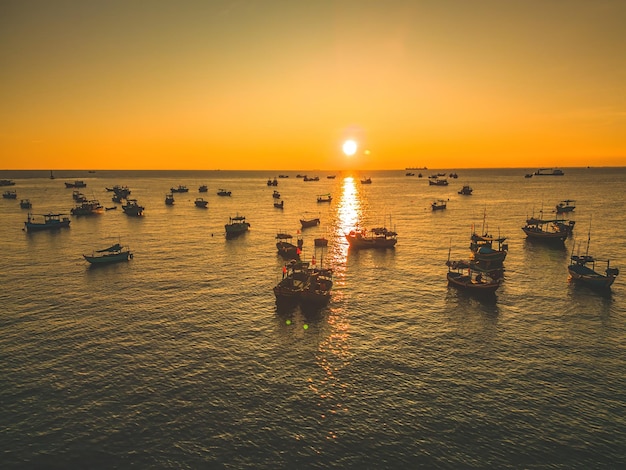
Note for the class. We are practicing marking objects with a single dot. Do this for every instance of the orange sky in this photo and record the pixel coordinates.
(280, 85)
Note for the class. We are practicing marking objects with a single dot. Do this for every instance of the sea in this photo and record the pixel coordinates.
(180, 357)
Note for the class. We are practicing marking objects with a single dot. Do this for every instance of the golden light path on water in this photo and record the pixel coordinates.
(334, 351)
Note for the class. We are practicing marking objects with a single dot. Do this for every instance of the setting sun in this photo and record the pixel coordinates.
(349, 147)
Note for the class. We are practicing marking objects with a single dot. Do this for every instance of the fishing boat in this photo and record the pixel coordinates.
(276, 195)
(283, 176)
(11, 194)
(87, 208)
(582, 269)
(528, 175)
(331, 177)
(314, 178)
(25, 204)
(76, 184)
(471, 278)
(318, 287)
(408, 173)
(309, 222)
(121, 191)
(482, 247)
(78, 196)
(466, 190)
(179, 189)
(112, 208)
(567, 205)
(112, 254)
(366, 181)
(293, 282)
(378, 237)
(169, 199)
(203, 188)
(286, 248)
(236, 226)
(199, 202)
(438, 205)
(324, 198)
(305, 283)
(50, 222)
(7, 183)
(279, 205)
(549, 172)
(548, 229)
(133, 208)
(437, 182)
(223, 192)
(272, 182)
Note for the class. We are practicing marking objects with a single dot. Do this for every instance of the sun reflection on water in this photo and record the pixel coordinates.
(348, 215)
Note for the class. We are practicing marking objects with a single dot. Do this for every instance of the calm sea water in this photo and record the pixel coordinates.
(180, 359)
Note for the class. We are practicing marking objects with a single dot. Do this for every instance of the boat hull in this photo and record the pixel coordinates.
(35, 227)
(589, 277)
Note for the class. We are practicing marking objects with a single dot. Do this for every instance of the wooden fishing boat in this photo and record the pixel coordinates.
(466, 190)
(438, 182)
(286, 248)
(7, 183)
(10, 194)
(112, 254)
(567, 205)
(378, 237)
(366, 181)
(582, 270)
(236, 226)
(200, 202)
(272, 182)
(276, 195)
(25, 204)
(76, 184)
(50, 222)
(203, 188)
(279, 205)
(181, 188)
(169, 199)
(92, 207)
(556, 230)
(309, 222)
(473, 277)
(305, 283)
(438, 205)
(133, 208)
(488, 249)
(324, 198)
(223, 192)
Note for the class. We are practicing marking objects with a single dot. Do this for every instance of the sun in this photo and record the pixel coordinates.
(349, 147)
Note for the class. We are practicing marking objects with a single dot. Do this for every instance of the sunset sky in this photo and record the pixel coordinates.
(268, 84)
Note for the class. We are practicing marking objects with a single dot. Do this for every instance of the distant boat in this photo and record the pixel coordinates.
(112, 208)
(50, 222)
(112, 254)
(10, 194)
(466, 190)
(25, 204)
(283, 176)
(276, 195)
(366, 181)
(279, 205)
(324, 198)
(565, 206)
(169, 199)
(331, 177)
(437, 182)
(76, 184)
(273, 182)
(305, 223)
(87, 208)
(7, 183)
(408, 173)
(199, 202)
(133, 208)
(223, 192)
(305, 283)
(180, 189)
(203, 188)
(236, 226)
(438, 205)
(314, 178)
(378, 237)
(549, 172)
(528, 175)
